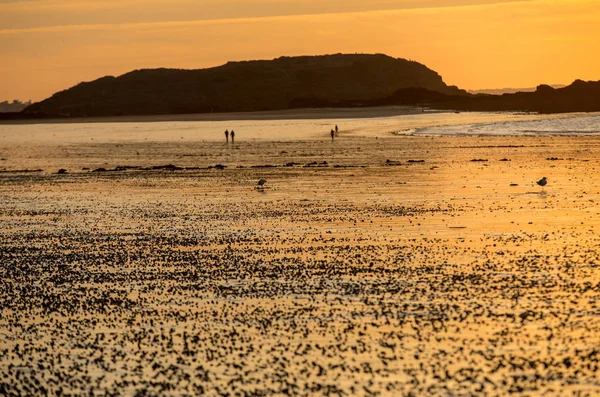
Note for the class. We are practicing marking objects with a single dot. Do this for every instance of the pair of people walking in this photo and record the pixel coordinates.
(334, 132)
(228, 134)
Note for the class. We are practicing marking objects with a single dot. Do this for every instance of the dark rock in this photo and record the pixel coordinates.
(168, 167)
(392, 163)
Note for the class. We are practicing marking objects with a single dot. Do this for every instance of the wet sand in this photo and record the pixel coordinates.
(404, 265)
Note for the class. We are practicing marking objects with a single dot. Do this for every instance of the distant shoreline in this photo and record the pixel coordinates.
(288, 114)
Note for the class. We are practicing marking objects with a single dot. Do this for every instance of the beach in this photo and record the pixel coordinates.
(382, 262)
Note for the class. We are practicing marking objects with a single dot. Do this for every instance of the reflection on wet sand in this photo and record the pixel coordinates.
(388, 266)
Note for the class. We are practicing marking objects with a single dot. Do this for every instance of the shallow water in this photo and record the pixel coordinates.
(375, 264)
(569, 125)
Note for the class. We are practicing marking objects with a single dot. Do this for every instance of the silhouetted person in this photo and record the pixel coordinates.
(227, 135)
(232, 136)
(336, 129)
(332, 134)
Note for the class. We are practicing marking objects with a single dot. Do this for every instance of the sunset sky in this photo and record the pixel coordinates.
(50, 45)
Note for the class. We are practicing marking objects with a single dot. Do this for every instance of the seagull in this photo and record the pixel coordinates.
(542, 182)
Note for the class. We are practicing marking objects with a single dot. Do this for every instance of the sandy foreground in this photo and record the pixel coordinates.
(366, 266)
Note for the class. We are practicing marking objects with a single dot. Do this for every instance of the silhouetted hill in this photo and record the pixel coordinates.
(13, 107)
(282, 83)
(580, 96)
(340, 80)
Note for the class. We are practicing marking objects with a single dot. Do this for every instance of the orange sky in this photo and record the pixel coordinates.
(50, 45)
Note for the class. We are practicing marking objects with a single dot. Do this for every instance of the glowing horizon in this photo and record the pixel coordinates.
(51, 45)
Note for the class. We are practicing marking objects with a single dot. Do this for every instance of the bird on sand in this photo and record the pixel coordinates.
(542, 182)
(262, 182)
